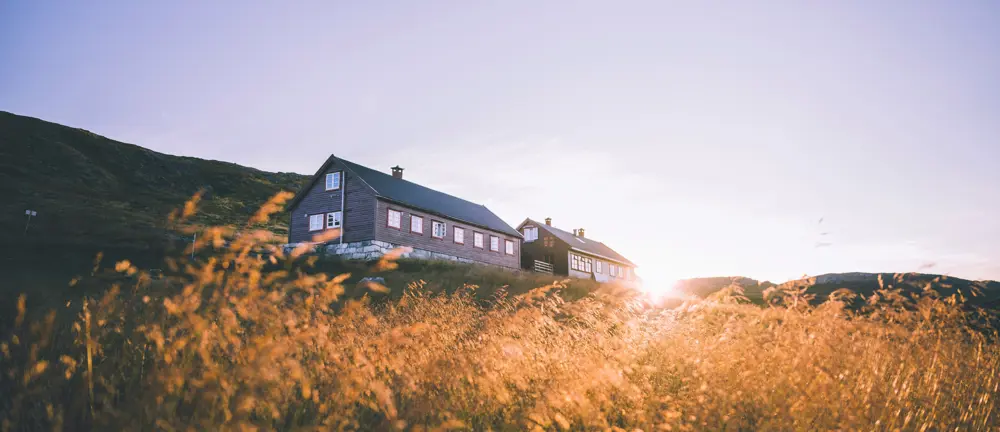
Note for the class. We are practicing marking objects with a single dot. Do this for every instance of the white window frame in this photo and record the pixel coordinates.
(611, 270)
(530, 233)
(458, 234)
(420, 221)
(494, 243)
(399, 219)
(316, 222)
(599, 266)
(333, 180)
(581, 263)
(444, 229)
(334, 220)
(508, 247)
(478, 240)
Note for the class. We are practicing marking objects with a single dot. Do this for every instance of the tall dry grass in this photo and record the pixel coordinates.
(240, 338)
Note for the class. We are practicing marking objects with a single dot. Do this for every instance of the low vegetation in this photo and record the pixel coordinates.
(245, 336)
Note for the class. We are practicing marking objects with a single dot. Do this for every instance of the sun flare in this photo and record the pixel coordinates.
(660, 286)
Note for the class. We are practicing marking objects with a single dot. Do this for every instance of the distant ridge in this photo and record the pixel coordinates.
(982, 292)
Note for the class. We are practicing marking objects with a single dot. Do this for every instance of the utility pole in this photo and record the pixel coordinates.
(28, 213)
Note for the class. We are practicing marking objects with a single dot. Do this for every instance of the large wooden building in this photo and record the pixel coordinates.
(551, 250)
(374, 212)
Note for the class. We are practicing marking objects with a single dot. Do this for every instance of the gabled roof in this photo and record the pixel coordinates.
(581, 244)
(419, 197)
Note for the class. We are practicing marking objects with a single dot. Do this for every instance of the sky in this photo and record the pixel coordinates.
(767, 139)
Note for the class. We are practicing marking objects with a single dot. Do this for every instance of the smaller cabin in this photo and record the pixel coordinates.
(548, 249)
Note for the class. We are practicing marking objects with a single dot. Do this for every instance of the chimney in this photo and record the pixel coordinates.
(397, 172)
(574, 232)
(580, 232)
(548, 221)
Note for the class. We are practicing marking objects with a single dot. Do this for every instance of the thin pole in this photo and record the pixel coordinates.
(26, 224)
(343, 214)
(193, 241)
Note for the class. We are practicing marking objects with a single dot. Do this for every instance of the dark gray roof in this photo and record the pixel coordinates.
(585, 245)
(422, 198)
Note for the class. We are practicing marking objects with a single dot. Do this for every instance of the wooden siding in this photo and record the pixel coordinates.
(536, 250)
(359, 212)
(447, 245)
(605, 274)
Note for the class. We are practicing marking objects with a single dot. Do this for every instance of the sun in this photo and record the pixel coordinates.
(658, 285)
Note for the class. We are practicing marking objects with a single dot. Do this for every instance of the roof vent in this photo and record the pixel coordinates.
(397, 172)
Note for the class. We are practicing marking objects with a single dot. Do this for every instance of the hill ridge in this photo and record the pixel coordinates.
(92, 190)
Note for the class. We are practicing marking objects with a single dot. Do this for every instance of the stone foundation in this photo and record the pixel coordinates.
(370, 250)
(363, 250)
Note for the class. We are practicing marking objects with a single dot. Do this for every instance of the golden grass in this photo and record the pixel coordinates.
(238, 339)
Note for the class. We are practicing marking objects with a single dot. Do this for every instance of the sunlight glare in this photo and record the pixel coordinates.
(659, 286)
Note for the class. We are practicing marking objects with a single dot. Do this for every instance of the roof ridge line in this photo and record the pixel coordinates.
(410, 182)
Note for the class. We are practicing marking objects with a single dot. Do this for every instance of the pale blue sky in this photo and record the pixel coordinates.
(697, 138)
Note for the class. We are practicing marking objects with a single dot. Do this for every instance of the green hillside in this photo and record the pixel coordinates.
(94, 191)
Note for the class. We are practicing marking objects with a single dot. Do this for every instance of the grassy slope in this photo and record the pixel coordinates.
(94, 191)
(243, 346)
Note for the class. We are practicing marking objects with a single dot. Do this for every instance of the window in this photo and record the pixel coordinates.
(395, 219)
(617, 271)
(438, 229)
(495, 243)
(416, 224)
(530, 233)
(315, 222)
(333, 220)
(459, 235)
(333, 181)
(611, 270)
(599, 266)
(581, 263)
(550, 241)
(509, 247)
(477, 240)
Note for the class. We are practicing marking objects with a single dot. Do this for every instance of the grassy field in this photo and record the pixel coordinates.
(246, 337)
